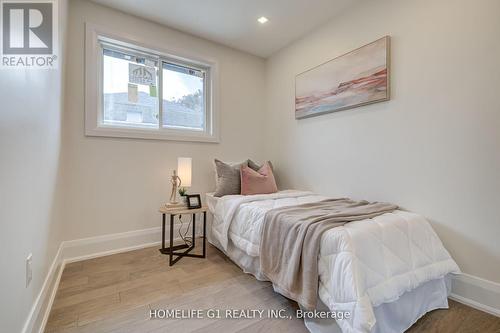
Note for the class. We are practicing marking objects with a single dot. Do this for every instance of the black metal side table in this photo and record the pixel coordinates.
(172, 250)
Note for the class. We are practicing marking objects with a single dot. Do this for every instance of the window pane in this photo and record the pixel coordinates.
(130, 90)
(183, 97)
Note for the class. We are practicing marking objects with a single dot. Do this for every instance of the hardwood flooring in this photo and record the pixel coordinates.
(114, 294)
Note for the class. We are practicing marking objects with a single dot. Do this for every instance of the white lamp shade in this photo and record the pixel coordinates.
(184, 171)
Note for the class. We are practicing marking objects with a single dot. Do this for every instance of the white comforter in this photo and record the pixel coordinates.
(361, 264)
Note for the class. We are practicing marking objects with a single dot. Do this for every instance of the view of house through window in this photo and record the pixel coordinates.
(133, 87)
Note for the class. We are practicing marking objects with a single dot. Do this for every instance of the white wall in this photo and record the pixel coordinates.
(117, 185)
(30, 147)
(434, 148)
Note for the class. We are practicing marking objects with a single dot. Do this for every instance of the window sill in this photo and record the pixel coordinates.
(151, 134)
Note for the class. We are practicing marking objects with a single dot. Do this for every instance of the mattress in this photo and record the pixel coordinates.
(362, 264)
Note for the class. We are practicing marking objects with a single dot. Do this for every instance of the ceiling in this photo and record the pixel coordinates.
(234, 22)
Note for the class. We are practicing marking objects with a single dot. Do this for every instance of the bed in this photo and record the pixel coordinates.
(386, 272)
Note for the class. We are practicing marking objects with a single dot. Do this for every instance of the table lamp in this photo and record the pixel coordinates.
(181, 176)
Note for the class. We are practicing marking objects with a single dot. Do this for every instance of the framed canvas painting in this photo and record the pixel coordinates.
(357, 78)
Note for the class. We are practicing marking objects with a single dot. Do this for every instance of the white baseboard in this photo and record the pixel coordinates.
(99, 246)
(83, 249)
(476, 292)
(52, 296)
(49, 287)
(473, 291)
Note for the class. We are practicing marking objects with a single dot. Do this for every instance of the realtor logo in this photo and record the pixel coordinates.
(28, 34)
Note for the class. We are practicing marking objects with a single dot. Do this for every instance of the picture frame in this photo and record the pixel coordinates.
(357, 78)
(193, 201)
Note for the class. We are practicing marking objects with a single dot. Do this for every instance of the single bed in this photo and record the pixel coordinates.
(387, 271)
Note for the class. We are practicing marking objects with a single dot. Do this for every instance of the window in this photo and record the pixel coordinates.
(183, 97)
(137, 92)
(129, 90)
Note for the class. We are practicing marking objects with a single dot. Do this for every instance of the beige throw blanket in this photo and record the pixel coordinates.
(291, 238)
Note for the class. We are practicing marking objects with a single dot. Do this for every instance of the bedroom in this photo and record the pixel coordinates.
(80, 221)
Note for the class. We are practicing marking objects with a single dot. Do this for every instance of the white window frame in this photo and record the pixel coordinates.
(94, 126)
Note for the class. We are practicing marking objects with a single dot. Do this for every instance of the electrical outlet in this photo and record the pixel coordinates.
(29, 271)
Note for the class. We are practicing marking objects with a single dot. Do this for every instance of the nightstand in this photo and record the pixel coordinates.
(172, 250)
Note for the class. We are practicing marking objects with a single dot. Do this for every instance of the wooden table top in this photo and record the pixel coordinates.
(181, 210)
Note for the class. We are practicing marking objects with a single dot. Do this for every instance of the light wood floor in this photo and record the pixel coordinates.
(115, 294)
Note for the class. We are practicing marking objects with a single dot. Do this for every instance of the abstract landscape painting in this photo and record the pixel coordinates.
(357, 78)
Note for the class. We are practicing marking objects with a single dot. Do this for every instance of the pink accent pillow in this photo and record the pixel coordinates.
(257, 182)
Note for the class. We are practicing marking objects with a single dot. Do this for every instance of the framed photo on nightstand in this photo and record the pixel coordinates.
(193, 201)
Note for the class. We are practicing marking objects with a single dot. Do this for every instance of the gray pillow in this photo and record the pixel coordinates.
(254, 166)
(228, 178)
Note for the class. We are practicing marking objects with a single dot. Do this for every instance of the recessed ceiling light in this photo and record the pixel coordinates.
(262, 19)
